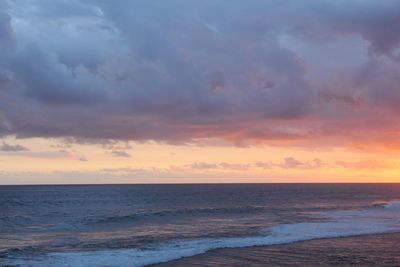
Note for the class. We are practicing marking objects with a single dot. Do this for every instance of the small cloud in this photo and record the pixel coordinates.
(126, 169)
(222, 165)
(332, 97)
(234, 166)
(264, 165)
(265, 84)
(12, 148)
(290, 163)
(83, 159)
(120, 153)
(365, 165)
(317, 163)
(203, 166)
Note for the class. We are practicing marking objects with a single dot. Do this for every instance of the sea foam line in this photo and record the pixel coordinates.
(338, 224)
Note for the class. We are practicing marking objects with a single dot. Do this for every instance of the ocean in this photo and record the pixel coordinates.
(137, 225)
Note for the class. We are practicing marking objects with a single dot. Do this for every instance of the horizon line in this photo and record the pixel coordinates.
(231, 183)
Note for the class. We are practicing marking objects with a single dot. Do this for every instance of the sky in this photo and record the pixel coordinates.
(189, 91)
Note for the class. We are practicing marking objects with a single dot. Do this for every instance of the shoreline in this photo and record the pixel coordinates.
(360, 250)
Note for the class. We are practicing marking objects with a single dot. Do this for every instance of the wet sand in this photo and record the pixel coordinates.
(370, 250)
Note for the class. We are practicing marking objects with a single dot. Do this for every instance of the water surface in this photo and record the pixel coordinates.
(134, 225)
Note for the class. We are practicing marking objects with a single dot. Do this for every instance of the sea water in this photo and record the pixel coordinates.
(136, 225)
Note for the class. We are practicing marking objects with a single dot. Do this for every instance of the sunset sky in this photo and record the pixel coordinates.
(190, 91)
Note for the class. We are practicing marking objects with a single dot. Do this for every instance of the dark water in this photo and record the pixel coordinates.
(134, 225)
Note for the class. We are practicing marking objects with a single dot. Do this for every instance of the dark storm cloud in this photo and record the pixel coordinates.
(181, 70)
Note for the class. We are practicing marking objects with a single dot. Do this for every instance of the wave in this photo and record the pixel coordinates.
(174, 213)
(372, 220)
(393, 205)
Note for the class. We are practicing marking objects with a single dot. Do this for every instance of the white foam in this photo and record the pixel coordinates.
(338, 224)
(393, 205)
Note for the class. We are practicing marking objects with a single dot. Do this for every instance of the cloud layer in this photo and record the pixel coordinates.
(178, 70)
(5, 147)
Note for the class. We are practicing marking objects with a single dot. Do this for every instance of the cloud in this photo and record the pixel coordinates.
(244, 72)
(82, 158)
(348, 99)
(235, 166)
(220, 166)
(203, 166)
(12, 148)
(288, 163)
(365, 165)
(291, 162)
(264, 165)
(119, 153)
(126, 169)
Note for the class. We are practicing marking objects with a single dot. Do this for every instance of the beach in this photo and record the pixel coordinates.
(366, 250)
